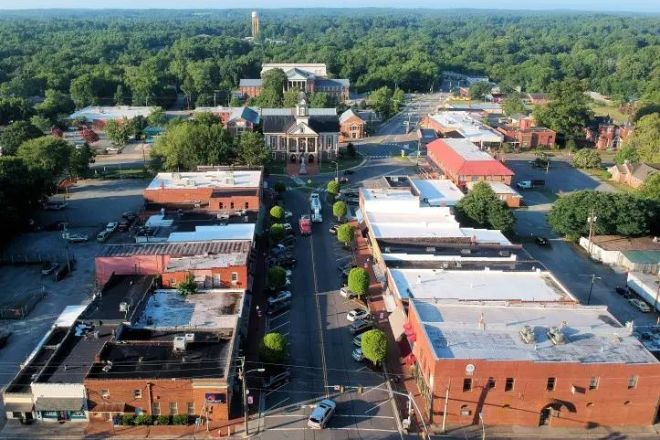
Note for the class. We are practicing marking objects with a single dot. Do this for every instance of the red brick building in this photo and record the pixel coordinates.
(213, 264)
(569, 367)
(525, 135)
(222, 190)
(351, 126)
(162, 373)
(462, 162)
(235, 119)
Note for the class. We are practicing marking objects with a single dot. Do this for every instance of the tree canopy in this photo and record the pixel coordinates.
(568, 111)
(276, 277)
(48, 153)
(339, 210)
(273, 348)
(358, 281)
(346, 234)
(586, 158)
(374, 345)
(17, 133)
(483, 208)
(645, 138)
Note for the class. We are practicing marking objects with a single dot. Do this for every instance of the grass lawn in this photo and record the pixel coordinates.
(126, 173)
(613, 111)
(604, 176)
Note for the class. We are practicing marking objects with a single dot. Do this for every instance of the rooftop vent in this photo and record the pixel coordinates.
(527, 334)
(123, 307)
(556, 335)
(179, 344)
(190, 337)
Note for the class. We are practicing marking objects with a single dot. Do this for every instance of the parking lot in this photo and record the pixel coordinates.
(91, 204)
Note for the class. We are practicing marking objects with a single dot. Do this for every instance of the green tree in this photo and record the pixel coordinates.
(333, 187)
(49, 153)
(273, 348)
(43, 124)
(82, 91)
(290, 98)
(513, 105)
(381, 101)
(252, 149)
(482, 207)
(586, 158)
(339, 210)
(626, 154)
(188, 286)
(277, 212)
(568, 111)
(235, 101)
(479, 90)
(56, 103)
(276, 278)
(277, 232)
(358, 281)
(206, 118)
(118, 132)
(398, 98)
(272, 89)
(17, 133)
(651, 188)
(319, 100)
(136, 126)
(14, 109)
(345, 234)
(119, 98)
(80, 160)
(157, 118)
(185, 145)
(374, 346)
(645, 138)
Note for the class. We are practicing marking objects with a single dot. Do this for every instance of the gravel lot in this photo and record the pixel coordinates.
(92, 203)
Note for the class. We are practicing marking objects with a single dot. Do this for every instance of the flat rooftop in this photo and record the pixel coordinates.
(491, 332)
(217, 179)
(235, 231)
(107, 113)
(620, 243)
(469, 127)
(437, 192)
(211, 309)
(207, 358)
(479, 285)
(227, 252)
(129, 289)
(75, 356)
(498, 187)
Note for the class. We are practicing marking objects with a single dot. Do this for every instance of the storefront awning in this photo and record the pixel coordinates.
(24, 407)
(397, 320)
(59, 404)
(118, 407)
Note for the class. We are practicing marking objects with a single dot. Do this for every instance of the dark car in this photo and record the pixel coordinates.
(348, 172)
(333, 229)
(61, 272)
(542, 241)
(129, 215)
(123, 226)
(288, 262)
(343, 179)
(288, 241)
(56, 226)
(623, 291)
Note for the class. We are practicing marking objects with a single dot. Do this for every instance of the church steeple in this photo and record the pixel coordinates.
(302, 111)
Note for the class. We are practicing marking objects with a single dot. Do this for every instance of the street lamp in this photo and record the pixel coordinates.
(336, 169)
(591, 287)
(242, 374)
(591, 220)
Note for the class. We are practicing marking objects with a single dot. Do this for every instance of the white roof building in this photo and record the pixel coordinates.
(467, 126)
(481, 286)
(206, 179)
(111, 113)
(232, 231)
(437, 192)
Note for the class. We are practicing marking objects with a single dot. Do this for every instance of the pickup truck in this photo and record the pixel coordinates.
(529, 184)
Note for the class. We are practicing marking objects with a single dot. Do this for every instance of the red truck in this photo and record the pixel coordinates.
(305, 224)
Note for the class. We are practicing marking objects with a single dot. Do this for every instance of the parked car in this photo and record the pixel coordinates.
(288, 241)
(4, 336)
(357, 314)
(129, 215)
(74, 238)
(287, 262)
(359, 326)
(277, 379)
(61, 272)
(288, 214)
(56, 226)
(357, 354)
(639, 305)
(346, 292)
(103, 236)
(542, 241)
(333, 229)
(282, 296)
(277, 307)
(55, 206)
(48, 268)
(357, 341)
(320, 416)
(112, 226)
(348, 172)
(123, 225)
(288, 228)
(343, 179)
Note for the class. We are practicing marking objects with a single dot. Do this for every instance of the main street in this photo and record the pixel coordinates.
(320, 345)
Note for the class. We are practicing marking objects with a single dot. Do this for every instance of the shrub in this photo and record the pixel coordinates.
(163, 420)
(142, 419)
(127, 419)
(586, 158)
(187, 286)
(180, 419)
(276, 277)
(273, 348)
(333, 187)
(346, 234)
(374, 346)
(277, 212)
(358, 281)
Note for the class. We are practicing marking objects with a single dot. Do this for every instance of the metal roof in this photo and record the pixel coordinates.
(241, 247)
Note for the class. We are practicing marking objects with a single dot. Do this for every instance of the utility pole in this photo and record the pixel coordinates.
(444, 410)
(591, 287)
(241, 375)
(591, 220)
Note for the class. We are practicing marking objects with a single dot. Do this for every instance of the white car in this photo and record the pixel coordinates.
(287, 227)
(357, 341)
(288, 214)
(111, 227)
(74, 238)
(346, 292)
(639, 305)
(319, 418)
(284, 295)
(357, 355)
(356, 314)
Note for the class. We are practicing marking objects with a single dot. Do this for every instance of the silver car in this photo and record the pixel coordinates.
(319, 418)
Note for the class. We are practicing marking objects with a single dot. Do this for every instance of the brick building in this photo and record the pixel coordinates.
(462, 162)
(523, 134)
(530, 365)
(236, 120)
(351, 126)
(305, 77)
(633, 174)
(214, 190)
(214, 264)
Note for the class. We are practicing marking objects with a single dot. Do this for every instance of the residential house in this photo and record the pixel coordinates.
(633, 175)
(640, 254)
(351, 126)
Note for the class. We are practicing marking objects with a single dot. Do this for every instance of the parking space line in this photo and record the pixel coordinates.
(275, 390)
(278, 326)
(277, 404)
(363, 416)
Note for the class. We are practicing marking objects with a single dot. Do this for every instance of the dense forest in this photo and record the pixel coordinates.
(148, 57)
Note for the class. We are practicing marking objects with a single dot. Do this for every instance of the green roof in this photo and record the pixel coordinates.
(643, 257)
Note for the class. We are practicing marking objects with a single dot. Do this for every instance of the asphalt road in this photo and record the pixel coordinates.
(320, 349)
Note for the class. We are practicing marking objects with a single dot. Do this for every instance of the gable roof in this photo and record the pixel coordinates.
(245, 113)
(347, 115)
(463, 158)
(297, 73)
(277, 123)
(642, 171)
(324, 124)
(250, 82)
(333, 82)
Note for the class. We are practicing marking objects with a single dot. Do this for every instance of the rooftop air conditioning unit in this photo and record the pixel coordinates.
(556, 335)
(190, 337)
(527, 334)
(123, 307)
(179, 343)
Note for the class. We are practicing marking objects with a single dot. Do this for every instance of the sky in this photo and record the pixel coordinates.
(584, 5)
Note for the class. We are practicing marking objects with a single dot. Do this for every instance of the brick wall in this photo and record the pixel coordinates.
(346, 133)
(185, 197)
(251, 91)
